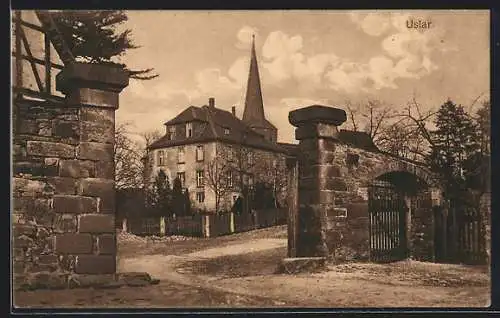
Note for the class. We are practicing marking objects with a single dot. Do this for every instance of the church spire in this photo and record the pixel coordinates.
(253, 113)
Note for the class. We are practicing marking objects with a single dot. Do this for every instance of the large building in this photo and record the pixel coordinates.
(215, 154)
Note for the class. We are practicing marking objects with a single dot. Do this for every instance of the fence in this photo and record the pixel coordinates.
(207, 225)
(459, 236)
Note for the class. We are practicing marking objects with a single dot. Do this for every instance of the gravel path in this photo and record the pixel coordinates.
(403, 284)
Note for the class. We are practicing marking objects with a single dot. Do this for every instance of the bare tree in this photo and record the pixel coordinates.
(127, 157)
(242, 162)
(217, 176)
(352, 113)
(403, 141)
(373, 115)
(273, 172)
(150, 137)
(403, 133)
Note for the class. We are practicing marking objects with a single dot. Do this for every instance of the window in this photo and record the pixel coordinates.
(199, 153)
(250, 181)
(189, 130)
(160, 158)
(230, 154)
(275, 163)
(200, 197)
(182, 177)
(200, 178)
(171, 132)
(229, 178)
(180, 155)
(227, 131)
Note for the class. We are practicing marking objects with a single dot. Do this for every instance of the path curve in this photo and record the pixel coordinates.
(169, 267)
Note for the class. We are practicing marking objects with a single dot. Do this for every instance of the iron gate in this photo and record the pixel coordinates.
(387, 212)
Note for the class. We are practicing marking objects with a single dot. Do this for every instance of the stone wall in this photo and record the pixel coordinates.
(63, 185)
(63, 189)
(333, 183)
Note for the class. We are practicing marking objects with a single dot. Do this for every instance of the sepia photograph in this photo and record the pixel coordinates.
(250, 159)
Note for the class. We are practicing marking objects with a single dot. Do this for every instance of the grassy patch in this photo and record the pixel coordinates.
(242, 265)
(127, 248)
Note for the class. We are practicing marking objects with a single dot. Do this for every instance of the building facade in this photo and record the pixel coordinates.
(216, 155)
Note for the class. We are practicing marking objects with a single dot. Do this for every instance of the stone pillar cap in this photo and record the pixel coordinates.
(105, 77)
(317, 114)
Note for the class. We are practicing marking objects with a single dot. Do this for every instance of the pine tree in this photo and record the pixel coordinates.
(93, 36)
(177, 198)
(455, 142)
(162, 195)
(187, 203)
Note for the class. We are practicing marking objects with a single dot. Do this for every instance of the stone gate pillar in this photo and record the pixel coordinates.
(94, 89)
(318, 177)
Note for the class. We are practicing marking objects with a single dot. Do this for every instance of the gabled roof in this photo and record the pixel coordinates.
(357, 139)
(192, 113)
(214, 122)
(292, 149)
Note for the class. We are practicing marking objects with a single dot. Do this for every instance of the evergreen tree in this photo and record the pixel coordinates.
(187, 203)
(162, 195)
(263, 197)
(455, 141)
(94, 37)
(178, 198)
(479, 165)
(483, 119)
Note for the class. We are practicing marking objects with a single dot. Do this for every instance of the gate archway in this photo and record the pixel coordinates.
(399, 208)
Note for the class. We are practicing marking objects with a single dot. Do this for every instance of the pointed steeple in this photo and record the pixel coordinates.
(253, 113)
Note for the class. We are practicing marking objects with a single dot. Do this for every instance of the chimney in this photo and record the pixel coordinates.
(211, 102)
(233, 110)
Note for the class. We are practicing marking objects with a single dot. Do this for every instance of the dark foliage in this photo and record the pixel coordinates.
(94, 36)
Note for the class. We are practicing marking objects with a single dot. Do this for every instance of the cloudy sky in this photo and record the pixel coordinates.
(305, 57)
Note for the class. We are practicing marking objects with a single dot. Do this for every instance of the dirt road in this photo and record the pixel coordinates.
(248, 268)
(239, 271)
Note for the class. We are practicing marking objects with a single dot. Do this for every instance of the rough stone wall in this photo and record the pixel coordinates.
(63, 189)
(334, 177)
(355, 177)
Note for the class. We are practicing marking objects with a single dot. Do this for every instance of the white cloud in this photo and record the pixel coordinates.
(297, 102)
(374, 24)
(239, 70)
(244, 36)
(406, 54)
(284, 60)
(152, 90)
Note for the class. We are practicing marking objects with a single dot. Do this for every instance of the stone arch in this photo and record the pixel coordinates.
(412, 186)
(400, 165)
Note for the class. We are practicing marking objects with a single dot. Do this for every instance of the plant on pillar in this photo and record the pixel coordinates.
(93, 37)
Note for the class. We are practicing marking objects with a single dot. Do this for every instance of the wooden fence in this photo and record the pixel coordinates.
(459, 236)
(211, 225)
